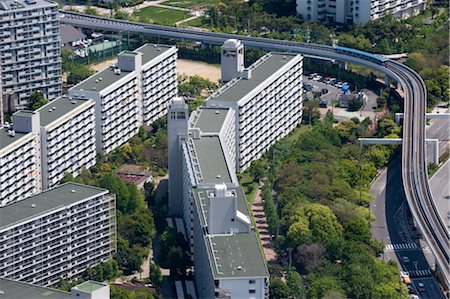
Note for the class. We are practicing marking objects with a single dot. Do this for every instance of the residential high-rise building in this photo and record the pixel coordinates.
(30, 54)
(235, 126)
(57, 234)
(357, 11)
(13, 289)
(134, 91)
(228, 261)
(67, 138)
(41, 146)
(20, 158)
(267, 100)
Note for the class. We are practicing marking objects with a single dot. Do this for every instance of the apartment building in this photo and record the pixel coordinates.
(357, 11)
(266, 98)
(67, 133)
(56, 234)
(13, 289)
(40, 146)
(134, 91)
(159, 80)
(204, 190)
(30, 57)
(20, 158)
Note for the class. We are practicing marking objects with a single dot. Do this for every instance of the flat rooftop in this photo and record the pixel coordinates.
(6, 140)
(13, 5)
(235, 256)
(10, 289)
(211, 120)
(59, 107)
(212, 161)
(201, 196)
(46, 201)
(234, 91)
(89, 286)
(151, 51)
(100, 80)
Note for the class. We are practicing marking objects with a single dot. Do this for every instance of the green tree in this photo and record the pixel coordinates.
(37, 100)
(278, 289)
(155, 275)
(138, 228)
(295, 284)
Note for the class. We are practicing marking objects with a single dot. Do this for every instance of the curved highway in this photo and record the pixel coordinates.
(414, 167)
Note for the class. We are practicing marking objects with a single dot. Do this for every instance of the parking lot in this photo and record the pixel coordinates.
(312, 84)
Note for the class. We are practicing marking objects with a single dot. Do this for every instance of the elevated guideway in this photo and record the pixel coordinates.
(414, 172)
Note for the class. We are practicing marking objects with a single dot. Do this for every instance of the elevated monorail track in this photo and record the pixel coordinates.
(414, 172)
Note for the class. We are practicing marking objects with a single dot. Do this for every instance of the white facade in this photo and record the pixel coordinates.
(67, 138)
(159, 80)
(215, 213)
(19, 166)
(29, 50)
(357, 11)
(135, 90)
(57, 234)
(265, 112)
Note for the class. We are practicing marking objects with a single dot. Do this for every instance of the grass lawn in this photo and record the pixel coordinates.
(162, 16)
(188, 3)
(193, 23)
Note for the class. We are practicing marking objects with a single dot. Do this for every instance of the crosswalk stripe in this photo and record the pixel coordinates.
(401, 246)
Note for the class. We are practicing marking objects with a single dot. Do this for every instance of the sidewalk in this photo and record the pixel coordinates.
(263, 228)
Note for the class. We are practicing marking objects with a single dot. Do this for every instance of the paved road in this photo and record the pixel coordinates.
(393, 227)
(440, 187)
(439, 129)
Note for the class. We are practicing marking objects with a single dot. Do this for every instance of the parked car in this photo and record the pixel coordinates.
(311, 76)
(421, 287)
(324, 91)
(317, 78)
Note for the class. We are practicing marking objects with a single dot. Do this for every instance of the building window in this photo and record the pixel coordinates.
(252, 291)
(251, 281)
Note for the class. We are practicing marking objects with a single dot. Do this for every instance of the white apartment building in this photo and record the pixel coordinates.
(134, 91)
(266, 98)
(203, 188)
(117, 97)
(159, 80)
(20, 158)
(30, 57)
(13, 289)
(67, 138)
(357, 11)
(56, 234)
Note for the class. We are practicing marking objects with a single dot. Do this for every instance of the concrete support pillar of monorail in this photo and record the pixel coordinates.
(343, 65)
(434, 142)
(387, 80)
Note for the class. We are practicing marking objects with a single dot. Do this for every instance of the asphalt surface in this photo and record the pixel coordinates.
(440, 187)
(393, 219)
(394, 228)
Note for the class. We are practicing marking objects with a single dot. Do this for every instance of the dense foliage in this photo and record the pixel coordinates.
(77, 72)
(320, 180)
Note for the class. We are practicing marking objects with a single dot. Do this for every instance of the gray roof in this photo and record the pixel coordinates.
(150, 51)
(12, 5)
(212, 161)
(6, 140)
(236, 256)
(201, 197)
(20, 290)
(108, 77)
(63, 106)
(46, 201)
(70, 33)
(211, 120)
(234, 91)
(89, 286)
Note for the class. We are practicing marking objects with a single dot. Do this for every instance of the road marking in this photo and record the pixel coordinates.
(420, 273)
(401, 246)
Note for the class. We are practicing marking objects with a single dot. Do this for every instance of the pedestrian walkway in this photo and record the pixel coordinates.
(420, 273)
(263, 228)
(401, 246)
